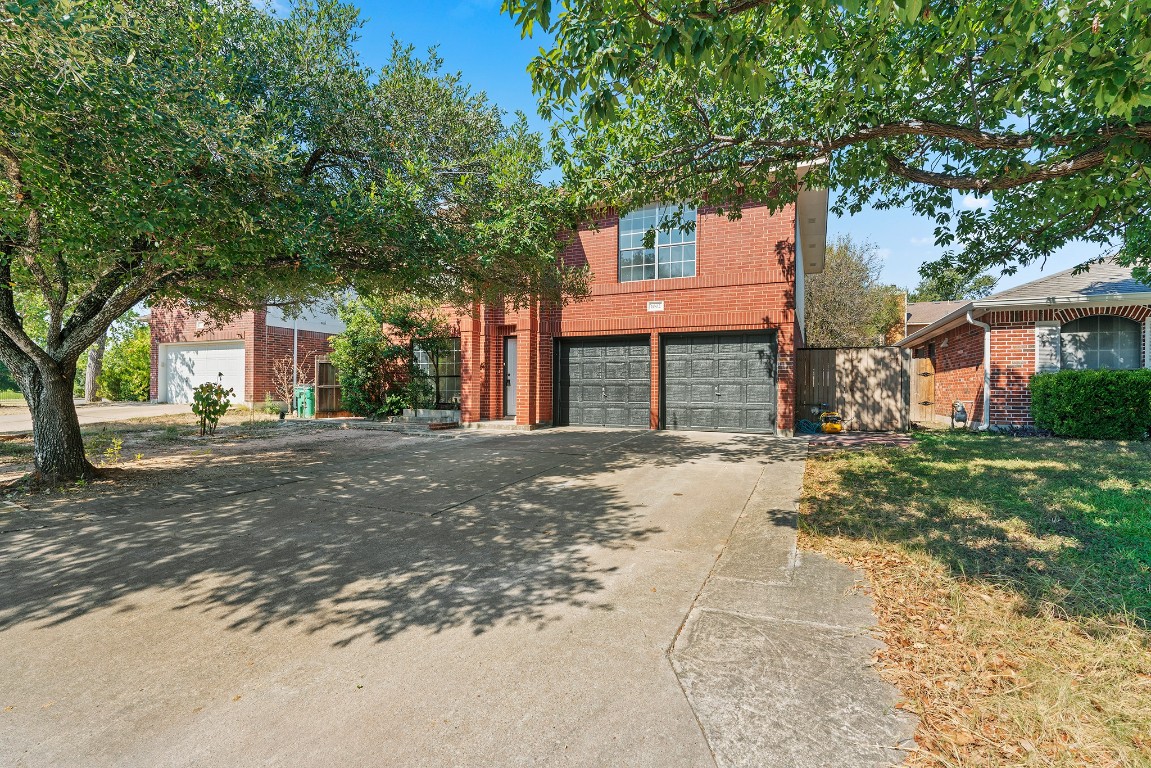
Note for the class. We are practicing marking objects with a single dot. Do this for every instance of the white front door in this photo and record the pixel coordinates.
(510, 376)
(183, 367)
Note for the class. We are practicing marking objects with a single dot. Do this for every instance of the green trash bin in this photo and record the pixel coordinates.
(306, 401)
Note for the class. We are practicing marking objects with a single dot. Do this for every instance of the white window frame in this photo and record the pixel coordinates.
(1063, 351)
(669, 243)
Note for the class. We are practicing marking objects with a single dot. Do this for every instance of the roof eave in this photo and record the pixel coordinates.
(983, 306)
(1046, 302)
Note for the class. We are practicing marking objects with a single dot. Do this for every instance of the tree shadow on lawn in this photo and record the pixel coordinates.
(1066, 525)
(359, 537)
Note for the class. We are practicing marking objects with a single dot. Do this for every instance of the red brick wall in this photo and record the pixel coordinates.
(745, 280)
(958, 357)
(959, 361)
(271, 343)
(262, 344)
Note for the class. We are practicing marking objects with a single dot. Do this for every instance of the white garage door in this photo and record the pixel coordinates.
(186, 366)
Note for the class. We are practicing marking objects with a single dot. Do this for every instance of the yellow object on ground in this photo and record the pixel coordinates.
(830, 422)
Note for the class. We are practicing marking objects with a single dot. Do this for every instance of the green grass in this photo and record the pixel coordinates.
(1012, 580)
(1066, 524)
(11, 397)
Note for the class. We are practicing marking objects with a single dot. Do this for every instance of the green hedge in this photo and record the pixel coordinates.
(1102, 405)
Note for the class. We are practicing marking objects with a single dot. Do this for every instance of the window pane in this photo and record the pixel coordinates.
(1101, 341)
(674, 252)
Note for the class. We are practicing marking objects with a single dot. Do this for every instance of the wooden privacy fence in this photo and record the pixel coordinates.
(869, 387)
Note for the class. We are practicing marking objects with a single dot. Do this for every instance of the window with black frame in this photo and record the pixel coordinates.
(443, 371)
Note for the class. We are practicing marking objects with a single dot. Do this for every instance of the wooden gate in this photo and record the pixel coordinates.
(870, 387)
(329, 402)
(922, 390)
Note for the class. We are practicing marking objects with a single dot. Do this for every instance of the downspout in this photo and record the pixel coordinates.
(295, 365)
(986, 369)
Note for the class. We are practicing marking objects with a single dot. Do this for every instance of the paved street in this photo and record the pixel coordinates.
(356, 597)
(16, 418)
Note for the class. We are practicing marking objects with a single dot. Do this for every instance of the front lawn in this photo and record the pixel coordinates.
(1012, 580)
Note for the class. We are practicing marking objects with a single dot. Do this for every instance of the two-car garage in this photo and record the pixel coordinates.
(723, 382)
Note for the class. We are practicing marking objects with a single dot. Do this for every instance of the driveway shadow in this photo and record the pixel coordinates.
(361, 535)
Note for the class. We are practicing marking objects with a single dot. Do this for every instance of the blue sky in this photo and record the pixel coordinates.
(473, 38)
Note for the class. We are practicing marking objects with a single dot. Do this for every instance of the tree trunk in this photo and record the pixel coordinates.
(57, 445)
(95, 365)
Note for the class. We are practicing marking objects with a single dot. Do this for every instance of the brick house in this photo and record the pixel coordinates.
(1098, 319)
(189, 349)
(699, 332)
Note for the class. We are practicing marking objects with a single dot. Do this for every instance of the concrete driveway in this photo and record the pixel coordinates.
(17, 418)
(362, 598)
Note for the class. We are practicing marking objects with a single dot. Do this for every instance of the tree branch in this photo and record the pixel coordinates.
(1092, 158)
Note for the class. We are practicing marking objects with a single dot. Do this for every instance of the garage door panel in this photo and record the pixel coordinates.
(702, 392)
(732, 369)
(723, 382)
(702, 345)
(760, 418)
(187, 366)
(613, 387)
(616, 369)
(759, 394)
(729, 392)
(676, 393)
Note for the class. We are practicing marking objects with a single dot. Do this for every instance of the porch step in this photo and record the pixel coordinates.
(503, 425)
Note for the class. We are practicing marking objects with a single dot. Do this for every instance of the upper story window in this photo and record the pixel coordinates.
(673, 250)
(1100, 341)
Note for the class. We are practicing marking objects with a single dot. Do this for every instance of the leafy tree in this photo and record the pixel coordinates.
(952, 285)
(127, 368)
(846, 305)
(1043, 106)
(374, 356)
(209, 152)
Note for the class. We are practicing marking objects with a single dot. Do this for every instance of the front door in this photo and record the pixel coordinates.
(510, 376)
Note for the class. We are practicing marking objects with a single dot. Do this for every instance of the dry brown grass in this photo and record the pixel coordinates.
(1004, 665)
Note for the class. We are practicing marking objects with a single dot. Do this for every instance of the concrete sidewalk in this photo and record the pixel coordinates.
(357, 597)
(17, 418)
(774, 653)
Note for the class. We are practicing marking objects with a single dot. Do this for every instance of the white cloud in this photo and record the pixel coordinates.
(973, 202)
(922, 240)
(883, 253)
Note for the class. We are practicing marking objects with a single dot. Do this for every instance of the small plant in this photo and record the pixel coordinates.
(138, 456)
(210, 402)
(271, 405)
(170, 434)
(108, 445)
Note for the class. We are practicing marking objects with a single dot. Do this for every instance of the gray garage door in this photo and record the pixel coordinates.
(722, 382)
(604, 383)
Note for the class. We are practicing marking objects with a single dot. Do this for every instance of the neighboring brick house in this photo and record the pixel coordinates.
(1097, 319)
(189, 349)
(699, 332)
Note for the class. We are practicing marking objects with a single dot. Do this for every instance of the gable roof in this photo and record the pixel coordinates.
(927, 312)
(1104, 284)
(1106, 279)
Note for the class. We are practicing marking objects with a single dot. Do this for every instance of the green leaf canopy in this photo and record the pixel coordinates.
(1043, 105)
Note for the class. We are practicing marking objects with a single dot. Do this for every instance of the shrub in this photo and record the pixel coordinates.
(1102, 405)
(374, 358)
(210, 402)
(127, 361)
